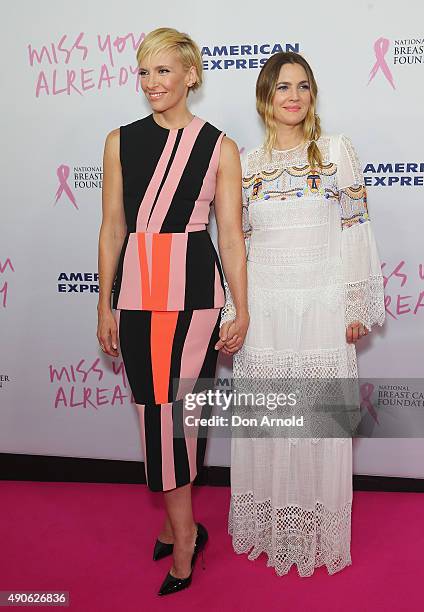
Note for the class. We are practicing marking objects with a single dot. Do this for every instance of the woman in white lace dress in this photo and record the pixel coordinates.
(314, 288)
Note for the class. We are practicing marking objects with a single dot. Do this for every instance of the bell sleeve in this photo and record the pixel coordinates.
(364, 289)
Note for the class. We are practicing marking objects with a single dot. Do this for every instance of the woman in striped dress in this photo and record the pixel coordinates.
(161, 175)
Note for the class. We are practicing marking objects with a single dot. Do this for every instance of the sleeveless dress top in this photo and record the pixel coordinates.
(168, 261)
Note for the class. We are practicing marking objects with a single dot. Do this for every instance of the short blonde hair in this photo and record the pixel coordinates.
(168, 39)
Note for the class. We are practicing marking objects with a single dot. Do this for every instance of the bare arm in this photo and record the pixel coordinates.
(228, 211)
(112, 235)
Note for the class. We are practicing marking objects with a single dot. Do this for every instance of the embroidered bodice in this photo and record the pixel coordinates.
(311, 227)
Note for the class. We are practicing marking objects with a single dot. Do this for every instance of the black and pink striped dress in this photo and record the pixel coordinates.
(169, 287)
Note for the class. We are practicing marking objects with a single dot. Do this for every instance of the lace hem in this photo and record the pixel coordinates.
(288, 257)
(251, 362)
(292, 535)
(365, 302)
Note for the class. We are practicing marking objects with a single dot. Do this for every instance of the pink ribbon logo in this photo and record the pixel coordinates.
(63, 175)
(381, 46)
(366, 404)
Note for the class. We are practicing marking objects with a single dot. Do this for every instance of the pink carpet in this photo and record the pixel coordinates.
(95, 541)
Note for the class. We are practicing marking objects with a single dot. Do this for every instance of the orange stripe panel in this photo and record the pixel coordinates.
(161, 339)
(161, 256)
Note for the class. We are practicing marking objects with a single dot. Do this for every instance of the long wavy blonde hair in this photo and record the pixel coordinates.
(265, 91)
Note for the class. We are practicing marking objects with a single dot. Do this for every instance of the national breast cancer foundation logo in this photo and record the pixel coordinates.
(399, 53)
(367, 390)
(395, 408)
(82, 177)
(64, 188)
(381, 47)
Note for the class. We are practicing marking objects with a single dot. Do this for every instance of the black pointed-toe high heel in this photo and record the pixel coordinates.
(162, 550)
(171, 584)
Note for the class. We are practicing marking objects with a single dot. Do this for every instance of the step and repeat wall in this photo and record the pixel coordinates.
(70, 76)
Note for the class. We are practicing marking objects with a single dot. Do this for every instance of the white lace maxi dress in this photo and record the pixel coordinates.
(313, 267)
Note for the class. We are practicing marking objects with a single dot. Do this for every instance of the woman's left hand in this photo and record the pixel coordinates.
(355, 331)
(232, 335)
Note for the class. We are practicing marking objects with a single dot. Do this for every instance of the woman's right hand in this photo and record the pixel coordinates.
(355, 331)
(107, 332)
